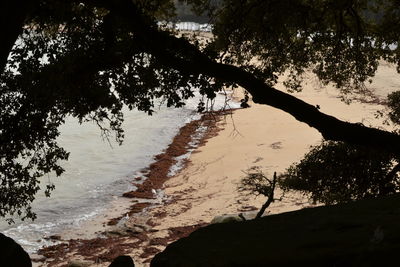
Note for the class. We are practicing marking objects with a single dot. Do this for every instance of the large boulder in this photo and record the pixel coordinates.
(363, 233)
(122, 261)
(12, 254)
(225, 218)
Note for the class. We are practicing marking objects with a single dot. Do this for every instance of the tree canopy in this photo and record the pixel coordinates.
(335, 172)
(89, 58)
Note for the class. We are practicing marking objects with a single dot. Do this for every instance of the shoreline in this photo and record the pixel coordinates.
(207, 186)
(149, 186)
(147, 196)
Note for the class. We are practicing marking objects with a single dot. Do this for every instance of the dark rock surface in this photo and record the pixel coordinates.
(12, 254)
(363, 233)
(122, 261)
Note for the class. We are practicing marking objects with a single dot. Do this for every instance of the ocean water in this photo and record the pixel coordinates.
(96, 171)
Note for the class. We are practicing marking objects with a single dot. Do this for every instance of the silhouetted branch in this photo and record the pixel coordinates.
(257, 183)
(270, 197)
(180, 54)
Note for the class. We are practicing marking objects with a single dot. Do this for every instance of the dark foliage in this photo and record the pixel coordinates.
(66, 64)
(335, 172)
(394, 107)
(257, 183)
(90, 58)
(12, 254)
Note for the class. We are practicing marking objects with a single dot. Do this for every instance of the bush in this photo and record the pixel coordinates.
(394, 106)
(335, 172)
(257, 183)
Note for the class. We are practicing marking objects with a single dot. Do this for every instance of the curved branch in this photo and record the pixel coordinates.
(178, 53)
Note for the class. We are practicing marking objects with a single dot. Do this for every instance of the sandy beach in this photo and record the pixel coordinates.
(207, 186)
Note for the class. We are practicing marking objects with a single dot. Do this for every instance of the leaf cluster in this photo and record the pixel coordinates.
(74, 59)
(394, 107)
(255, 182)
(335, 172)
(81, 59)
(341, 41)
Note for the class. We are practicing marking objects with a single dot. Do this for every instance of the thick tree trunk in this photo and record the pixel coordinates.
(178, 53)
(330, 127)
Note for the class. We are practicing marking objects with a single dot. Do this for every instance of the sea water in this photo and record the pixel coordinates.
(97, 170)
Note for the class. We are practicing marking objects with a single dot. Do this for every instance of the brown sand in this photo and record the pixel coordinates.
(207, 187)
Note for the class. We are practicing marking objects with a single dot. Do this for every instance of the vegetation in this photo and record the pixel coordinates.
(257, 183)
(184, 12)
(394, 107)
(89, 58)
(335, 172)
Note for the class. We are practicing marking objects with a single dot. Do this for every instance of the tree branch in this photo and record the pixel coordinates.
(178, 53)
(270, 198)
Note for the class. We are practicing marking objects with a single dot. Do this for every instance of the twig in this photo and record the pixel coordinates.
(270, 198)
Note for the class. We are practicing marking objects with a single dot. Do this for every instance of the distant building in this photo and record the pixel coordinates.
(186, 26)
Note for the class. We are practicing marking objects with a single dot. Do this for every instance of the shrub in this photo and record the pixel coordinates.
(257, 183)
(394, 106)
(335, 172)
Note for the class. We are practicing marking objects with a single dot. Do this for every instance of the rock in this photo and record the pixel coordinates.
(122, 261)
(234, 217)
(139, 227)
(250, 215)
(115, 231)
(360, 233)
(226, 218)
(12, 254)
(53, 237)
(126, 227)
(37, 258)
(80, 263)
(124, 230)
(135, 230)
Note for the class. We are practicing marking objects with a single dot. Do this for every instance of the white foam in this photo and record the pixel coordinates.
(96, 172)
